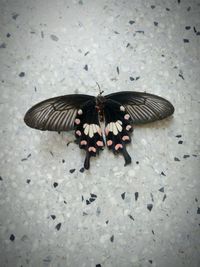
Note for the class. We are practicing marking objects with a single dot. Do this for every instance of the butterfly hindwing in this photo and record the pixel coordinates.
(143, 107)
(56, 114)
(88, 131)
(117, 128)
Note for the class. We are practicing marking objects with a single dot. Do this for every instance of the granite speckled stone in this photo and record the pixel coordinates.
(52, 211)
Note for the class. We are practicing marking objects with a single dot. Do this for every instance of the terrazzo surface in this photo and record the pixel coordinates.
(52, 213)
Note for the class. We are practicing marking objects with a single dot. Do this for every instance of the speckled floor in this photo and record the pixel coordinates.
(145, 214)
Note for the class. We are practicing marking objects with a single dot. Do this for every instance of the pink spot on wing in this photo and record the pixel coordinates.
(80, 112)
(118, 146)
(109, 143)
(83, 143)
(126, 117)
(93, 149)
(128, 127)
(78, 133)
(99, 143)
(77, 121)
(125, 137)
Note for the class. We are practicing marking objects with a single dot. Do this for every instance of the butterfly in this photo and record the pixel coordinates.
(83, 113)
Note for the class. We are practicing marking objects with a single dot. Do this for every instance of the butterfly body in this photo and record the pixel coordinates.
(83, 113)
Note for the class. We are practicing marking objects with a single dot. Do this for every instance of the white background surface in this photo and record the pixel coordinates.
(49, 41)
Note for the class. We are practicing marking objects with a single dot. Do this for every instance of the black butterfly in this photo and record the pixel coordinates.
(83, 113)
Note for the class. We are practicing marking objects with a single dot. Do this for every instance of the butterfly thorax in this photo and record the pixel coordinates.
(100, 103)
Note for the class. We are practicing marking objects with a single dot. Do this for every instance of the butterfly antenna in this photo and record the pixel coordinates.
(100, 92)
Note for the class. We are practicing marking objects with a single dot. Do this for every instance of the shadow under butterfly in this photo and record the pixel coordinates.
(83, 113)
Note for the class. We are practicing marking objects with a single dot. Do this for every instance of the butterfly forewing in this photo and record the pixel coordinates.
(143, 107)
(56, 114)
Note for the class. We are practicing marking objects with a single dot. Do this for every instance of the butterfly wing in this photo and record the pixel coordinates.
(88, 131)
(56, 114)
(117, 128)
(143, 107)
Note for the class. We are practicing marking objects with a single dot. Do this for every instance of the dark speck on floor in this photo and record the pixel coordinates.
(186, 156)
(91, 199)
(131, 22)
(180, 142)
(152, 6)
(63, 161)
(163, 174)
(22, 74)
(55, 184)
(15, 15)
(72, 170)
(58, 226)
(198, 210)
(164, 197)
(86, 67)
(176, 159)
(152, 197)
(140, 31)
(155, 23)
(150, 261)
(186, 40)
(28, 181)
(53, 216)
(12, 237)
(149, 207)
(87, 202)
(118, 70)
(187, 27)
(123, 195)
(86, 53)
(3, 45)
(178, 135)
(1, 179)
(98, 265)
(161, 189)
(167, 9)
(54, 37)
(93, 195)
(136, 196)
(112, 238)
(82, 170)
(131, 217)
